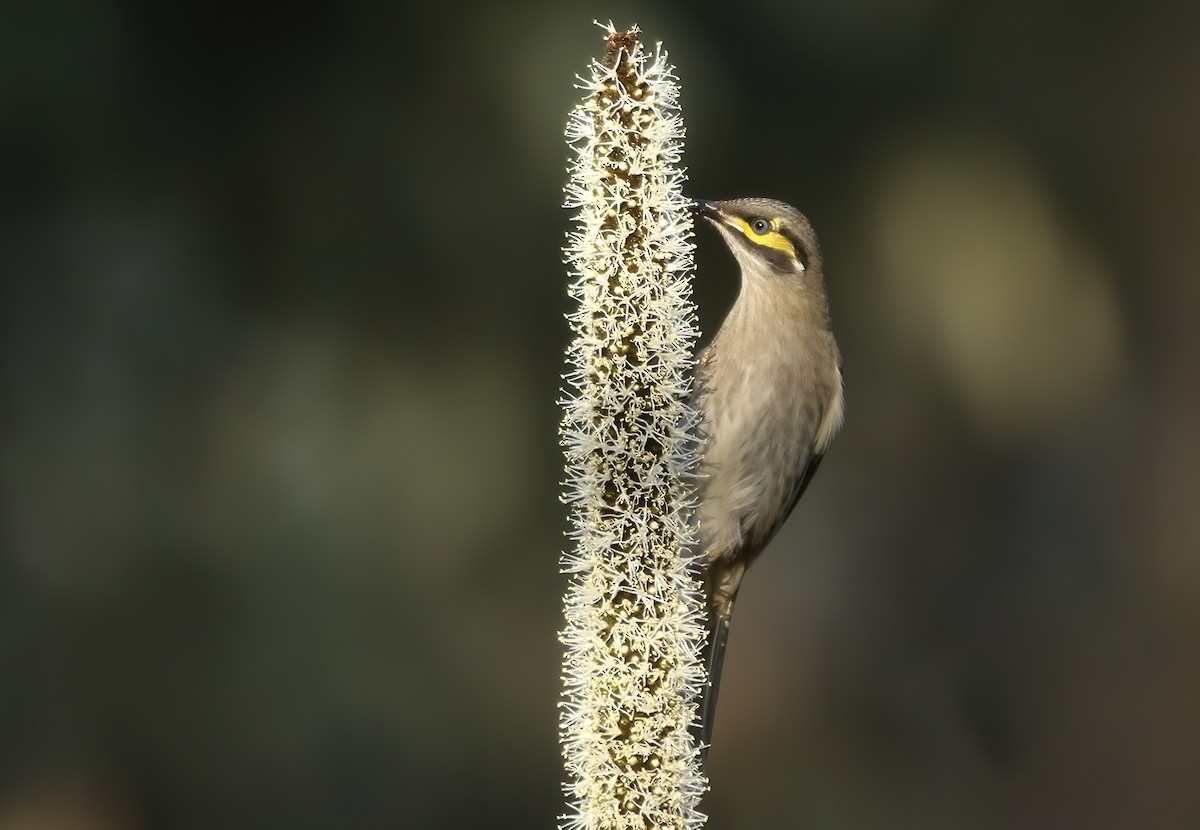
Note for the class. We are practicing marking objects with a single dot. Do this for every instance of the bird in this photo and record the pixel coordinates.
(769, 395)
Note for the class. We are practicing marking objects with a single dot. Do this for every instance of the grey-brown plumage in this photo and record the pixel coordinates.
(769, 388)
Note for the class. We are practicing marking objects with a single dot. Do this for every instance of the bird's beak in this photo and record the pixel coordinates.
(708, 209)
(712, 212)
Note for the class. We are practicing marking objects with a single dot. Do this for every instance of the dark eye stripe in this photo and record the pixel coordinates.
(777, 258)
(801, 251)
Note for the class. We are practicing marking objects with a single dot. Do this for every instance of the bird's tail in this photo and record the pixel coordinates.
(718, 636)
(722, 583)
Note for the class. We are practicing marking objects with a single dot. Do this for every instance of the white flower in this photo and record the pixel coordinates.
(634, 613)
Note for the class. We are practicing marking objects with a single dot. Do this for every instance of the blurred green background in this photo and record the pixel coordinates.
(281, 342)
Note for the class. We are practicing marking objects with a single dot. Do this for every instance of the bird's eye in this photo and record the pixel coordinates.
(760, 226)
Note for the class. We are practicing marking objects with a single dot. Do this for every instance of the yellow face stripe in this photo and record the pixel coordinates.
(770, 239)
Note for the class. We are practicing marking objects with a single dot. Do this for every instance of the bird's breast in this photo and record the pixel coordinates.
(763, 412)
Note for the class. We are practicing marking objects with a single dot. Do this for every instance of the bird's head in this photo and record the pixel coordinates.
(768, 238)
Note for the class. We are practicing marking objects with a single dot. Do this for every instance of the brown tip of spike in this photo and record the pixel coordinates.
(619, 42)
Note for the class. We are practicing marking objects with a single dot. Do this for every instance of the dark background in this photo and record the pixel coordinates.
(281, 321)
